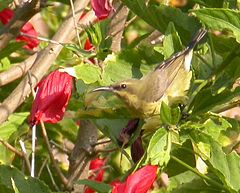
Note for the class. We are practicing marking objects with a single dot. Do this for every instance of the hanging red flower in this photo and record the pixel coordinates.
(96, 172)
(138, 182)
(101, 8)
(6, 15)
(52, 97)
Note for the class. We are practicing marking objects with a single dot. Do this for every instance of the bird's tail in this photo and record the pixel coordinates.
(197, 38)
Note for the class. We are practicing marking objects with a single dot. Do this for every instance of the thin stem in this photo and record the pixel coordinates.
(212, 51)
(46, 140)
(60, 147)
(101, 142)
(210, 180)
(33, 150)
(24, 153)
(52, 179)
(75, 23)
(11, 148)
(40, 38)
(42, 167)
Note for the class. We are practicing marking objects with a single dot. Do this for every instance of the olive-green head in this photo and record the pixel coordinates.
(127, 90)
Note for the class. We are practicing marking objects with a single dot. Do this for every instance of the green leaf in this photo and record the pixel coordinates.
(220, 19)
(160, 15)
(169, 115)
(165, 113)
(185, 154)
(22, 183)
(10, 126)
(94, 34)
(5, 64)
(10, 48)
(206, 100)
(227, 165)
(97, 186)
(172, 42)
(116, 69)
(6, 130)
(158, 152)
(88, 73)
(210, 3)
(79, 51)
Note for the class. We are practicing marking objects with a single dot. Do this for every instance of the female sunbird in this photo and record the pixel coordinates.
(144, 96)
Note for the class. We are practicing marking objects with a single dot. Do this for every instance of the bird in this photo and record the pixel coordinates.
(143, 97)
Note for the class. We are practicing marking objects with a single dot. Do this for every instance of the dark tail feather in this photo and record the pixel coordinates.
(197, 38)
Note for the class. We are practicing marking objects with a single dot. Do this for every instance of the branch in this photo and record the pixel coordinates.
(17, 70)
(117, 26)
(21, 16)
(11, 148)
(82, 153)
(43, 62)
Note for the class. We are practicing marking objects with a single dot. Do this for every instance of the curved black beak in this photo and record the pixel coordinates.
(103, 88)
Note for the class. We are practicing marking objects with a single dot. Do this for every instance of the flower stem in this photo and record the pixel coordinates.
(210, 180)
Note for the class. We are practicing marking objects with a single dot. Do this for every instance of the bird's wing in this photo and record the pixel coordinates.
(158, 81)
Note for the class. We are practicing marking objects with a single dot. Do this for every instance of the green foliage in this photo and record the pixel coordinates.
(192, 142)
(12, 180)
(99, 187)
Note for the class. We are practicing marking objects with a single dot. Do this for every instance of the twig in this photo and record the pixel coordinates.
(106, 150)
(102, 142)
(75, 23)
(46, 140)
(52, 178)
(24, 153)
(11, 148)
(60, 147)
(40, 38)
(42, 167)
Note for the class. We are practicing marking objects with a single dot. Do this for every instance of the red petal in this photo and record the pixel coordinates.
(6, 15)
(102, 8)
(88, 45)
(88, 190)
(52, 98)
(119, 188)
(30, 42)
(142, 180)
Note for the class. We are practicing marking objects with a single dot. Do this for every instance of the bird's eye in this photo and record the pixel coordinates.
(123, 86)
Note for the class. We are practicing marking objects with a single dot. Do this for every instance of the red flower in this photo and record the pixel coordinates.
(138, 182)
(6, 15)
(97, 171)
(102, 8)
(88, 46)
(52, 98)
